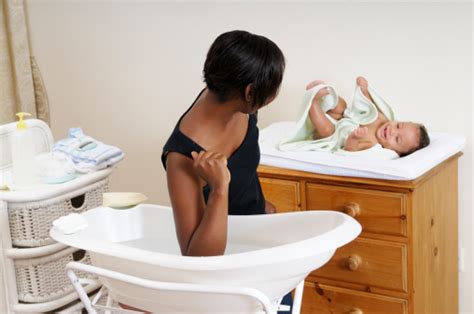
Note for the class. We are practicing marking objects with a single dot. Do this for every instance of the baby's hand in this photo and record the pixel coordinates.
(359, 140)
(360, 132)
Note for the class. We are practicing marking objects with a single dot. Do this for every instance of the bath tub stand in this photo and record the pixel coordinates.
(91, 305)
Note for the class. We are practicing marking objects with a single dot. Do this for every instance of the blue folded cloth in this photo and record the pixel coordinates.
(87, 153)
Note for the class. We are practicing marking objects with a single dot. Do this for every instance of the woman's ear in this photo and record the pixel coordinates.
(249, 93)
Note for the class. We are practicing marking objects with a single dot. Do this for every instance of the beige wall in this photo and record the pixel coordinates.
(126, 70)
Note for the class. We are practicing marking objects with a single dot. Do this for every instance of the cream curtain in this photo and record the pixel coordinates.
(21, 85)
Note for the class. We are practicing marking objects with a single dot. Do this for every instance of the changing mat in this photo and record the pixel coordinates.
(442, 146)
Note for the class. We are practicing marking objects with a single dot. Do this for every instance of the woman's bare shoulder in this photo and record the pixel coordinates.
(179, 166)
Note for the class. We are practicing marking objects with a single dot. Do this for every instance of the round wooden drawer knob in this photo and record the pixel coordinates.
(352, 209)
(353, 262)
(356, 311)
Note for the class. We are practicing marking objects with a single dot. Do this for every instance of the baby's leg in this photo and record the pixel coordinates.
(323, 127)
(338, 111)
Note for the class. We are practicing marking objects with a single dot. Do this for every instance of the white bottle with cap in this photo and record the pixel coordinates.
(23, 153)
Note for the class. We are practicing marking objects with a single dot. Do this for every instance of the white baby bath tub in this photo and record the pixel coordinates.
(270, 253)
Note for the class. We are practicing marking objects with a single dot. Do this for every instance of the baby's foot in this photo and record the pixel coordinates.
(319, 95)
(364, 86)
(316, 102)
(313, 84)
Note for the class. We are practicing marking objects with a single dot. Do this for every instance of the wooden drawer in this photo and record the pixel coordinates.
(377, 211)
(319, 298)
(284, 194)
(370, 263)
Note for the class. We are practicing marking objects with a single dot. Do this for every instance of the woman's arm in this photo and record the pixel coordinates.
(201, 229)
(269, 208)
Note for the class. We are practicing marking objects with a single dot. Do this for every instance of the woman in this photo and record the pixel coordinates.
(212, 154)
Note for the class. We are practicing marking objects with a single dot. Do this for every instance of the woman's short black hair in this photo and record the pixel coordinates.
(239, 58)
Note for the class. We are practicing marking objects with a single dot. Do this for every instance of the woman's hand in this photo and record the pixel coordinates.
(212, 168)
(269, 208)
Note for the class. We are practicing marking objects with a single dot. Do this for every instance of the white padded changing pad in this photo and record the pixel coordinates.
(442, 146)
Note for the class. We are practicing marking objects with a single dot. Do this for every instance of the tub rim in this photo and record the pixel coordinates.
(342, 234)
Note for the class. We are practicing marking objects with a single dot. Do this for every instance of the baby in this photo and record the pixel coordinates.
(402, 137)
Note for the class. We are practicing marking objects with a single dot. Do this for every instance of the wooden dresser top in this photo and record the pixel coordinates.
(408, 184)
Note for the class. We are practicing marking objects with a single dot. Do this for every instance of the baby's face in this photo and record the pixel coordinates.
(398, 136)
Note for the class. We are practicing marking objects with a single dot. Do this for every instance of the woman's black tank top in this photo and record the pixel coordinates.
(245, 192)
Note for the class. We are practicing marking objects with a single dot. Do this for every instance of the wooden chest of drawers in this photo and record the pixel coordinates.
(404, 261)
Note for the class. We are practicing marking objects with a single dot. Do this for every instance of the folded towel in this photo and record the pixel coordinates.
(75, 140)
(70, 224)
(87, 153)
(109, 158)
(95, 153)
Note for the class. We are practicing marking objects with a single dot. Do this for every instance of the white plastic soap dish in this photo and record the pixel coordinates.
(122, 200)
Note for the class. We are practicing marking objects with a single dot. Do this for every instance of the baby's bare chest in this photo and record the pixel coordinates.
(381, 119)
(374, 126)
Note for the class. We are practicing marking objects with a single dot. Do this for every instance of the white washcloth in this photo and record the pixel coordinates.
(70, 224)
